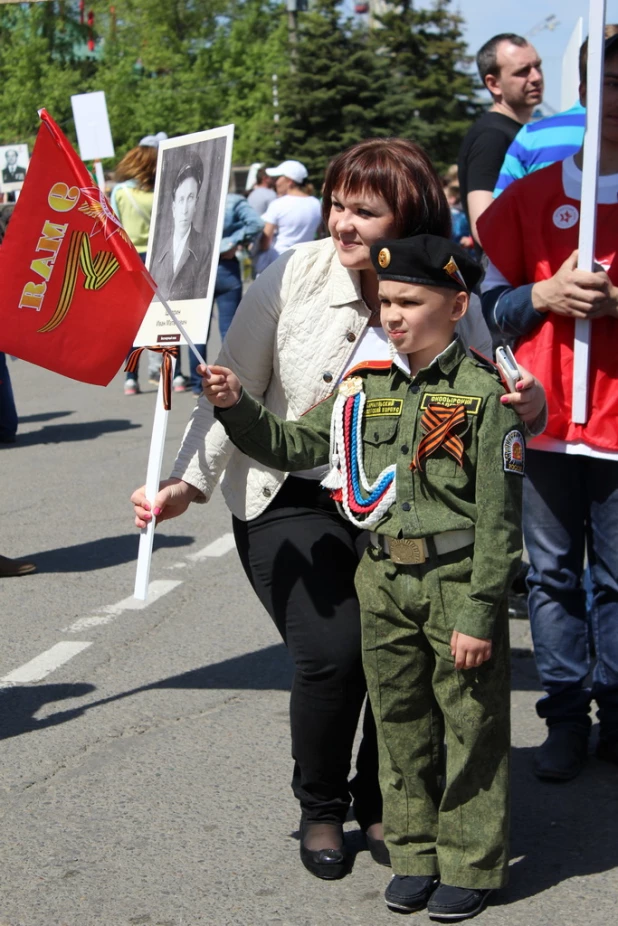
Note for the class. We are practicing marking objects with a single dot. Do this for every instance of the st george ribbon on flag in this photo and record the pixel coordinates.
(74, 289)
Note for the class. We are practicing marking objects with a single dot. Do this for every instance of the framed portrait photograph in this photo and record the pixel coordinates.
(187, 221)
(14, 161)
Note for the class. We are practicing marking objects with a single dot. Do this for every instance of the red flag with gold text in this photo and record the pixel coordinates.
(74, 290)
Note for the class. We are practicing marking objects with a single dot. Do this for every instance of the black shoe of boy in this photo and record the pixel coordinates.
(450, 904)
(409, 893)
(607, 750)
(563, 754)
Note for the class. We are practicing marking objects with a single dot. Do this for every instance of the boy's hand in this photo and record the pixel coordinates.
(469, 652)
(529, 398)
(220, 386)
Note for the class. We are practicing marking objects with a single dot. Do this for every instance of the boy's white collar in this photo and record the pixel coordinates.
(401, 360)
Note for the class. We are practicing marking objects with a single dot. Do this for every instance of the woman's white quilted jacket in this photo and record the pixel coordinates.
(289, 343)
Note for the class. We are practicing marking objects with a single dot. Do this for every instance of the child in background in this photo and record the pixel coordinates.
(461, 227)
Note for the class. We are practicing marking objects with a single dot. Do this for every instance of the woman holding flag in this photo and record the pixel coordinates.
(308, 318)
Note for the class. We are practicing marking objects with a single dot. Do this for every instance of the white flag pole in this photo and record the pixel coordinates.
(98, 170)
(153, 477)
(153, 472)
(588, 210)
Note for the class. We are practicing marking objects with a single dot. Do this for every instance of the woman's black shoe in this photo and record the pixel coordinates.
(328, 864)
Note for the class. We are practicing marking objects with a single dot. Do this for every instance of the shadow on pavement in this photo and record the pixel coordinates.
(42, 416)
(100, 554)
(267, 669)
(63, 433)
(19, 704)
(560, 830)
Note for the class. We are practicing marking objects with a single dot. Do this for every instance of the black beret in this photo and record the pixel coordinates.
(428, 260)
(192, 166)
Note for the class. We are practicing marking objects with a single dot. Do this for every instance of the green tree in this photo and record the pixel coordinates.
(433, 100)
(186, 65)
(150, 67)
(38, 67)
(249, 48)
(337, 91)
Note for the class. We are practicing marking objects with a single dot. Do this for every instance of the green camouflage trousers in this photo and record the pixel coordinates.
(446, 810)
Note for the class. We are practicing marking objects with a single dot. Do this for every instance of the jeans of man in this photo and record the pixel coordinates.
(228, 293)
(8, 412)
(570, 506)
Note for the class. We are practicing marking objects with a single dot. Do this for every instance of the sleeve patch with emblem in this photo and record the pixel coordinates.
(514, 453)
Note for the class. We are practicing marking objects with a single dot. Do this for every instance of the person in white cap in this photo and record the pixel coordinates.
(293, 217)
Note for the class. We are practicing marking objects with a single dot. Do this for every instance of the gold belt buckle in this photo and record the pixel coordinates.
(406, 552)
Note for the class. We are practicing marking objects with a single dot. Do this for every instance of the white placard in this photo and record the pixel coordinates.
(569, 95)
(187, 222)
(94, 135)
(588, 207)
(13, 166)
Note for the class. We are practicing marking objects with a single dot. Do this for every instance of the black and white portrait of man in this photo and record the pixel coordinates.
(183, 245)
(14, 161)
(187, 209)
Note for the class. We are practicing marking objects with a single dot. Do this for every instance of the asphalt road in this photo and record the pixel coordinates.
(145, 765)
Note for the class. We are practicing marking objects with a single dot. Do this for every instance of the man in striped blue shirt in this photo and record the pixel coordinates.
(542, 143)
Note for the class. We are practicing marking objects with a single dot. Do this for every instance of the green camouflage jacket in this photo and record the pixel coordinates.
(437, 494)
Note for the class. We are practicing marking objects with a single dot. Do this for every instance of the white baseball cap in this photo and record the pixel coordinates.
(292, 169)
(152, 141)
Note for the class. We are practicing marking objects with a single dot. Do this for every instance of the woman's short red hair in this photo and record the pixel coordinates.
(399, 171)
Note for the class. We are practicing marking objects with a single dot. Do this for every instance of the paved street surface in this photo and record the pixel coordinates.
(145, 764)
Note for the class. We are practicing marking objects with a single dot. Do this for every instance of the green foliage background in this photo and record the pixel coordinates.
(185, 65)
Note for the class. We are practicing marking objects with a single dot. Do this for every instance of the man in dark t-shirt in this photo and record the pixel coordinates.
(510, 68)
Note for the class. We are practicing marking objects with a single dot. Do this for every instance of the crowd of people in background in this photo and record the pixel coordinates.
(510, 204)
(270, 512)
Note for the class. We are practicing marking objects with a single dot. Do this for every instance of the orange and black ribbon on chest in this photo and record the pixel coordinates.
(166, 368)
(440, 425)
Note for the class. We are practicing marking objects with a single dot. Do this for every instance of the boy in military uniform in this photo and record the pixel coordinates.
(423, 453)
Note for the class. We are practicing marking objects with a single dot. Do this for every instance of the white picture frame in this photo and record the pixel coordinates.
(185, 268)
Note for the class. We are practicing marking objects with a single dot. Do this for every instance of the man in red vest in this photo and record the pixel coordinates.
(532, 294)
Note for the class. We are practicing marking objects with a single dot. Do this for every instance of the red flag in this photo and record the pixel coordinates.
(74, 289)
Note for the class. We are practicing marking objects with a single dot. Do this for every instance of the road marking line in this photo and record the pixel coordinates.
(110, 612)
(218, 547)
(46, 662)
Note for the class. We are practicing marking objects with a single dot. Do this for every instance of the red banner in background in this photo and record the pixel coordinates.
(74, 290)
